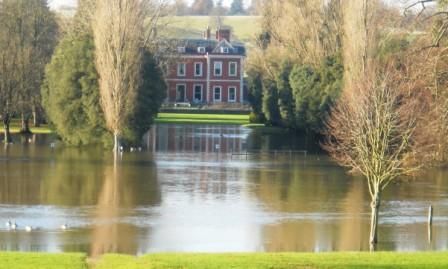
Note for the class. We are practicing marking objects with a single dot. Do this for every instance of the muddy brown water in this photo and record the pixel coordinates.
(183, 193)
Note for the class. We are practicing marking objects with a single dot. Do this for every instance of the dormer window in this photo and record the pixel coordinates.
(224, 50)
(181, 49)
(201, 49)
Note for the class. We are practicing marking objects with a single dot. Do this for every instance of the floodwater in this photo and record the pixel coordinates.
(194, 189)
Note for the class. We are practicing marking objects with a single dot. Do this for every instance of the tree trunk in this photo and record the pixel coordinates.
(116, 143)
(36, 120)
(374, 219)
(6, 123)
(25, 129)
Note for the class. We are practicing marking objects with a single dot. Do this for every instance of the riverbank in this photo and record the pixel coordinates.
(219, 119)
(225, 261)
(163, 118)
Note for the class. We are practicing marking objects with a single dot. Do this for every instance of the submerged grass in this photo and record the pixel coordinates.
(335, 260)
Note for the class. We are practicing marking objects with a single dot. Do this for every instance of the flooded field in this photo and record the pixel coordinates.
(194, 189)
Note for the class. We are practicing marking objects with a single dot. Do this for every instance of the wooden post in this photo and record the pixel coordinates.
(430, 212)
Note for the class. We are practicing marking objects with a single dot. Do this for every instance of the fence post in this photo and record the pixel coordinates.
(430, 213)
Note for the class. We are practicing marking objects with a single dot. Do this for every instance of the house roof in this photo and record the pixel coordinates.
(211, 46)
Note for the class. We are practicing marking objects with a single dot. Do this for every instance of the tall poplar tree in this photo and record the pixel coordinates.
(118, 27)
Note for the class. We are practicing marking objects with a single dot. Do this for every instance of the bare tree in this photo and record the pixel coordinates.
(372, 132)
(309, 29)
(118, 30)
(360, 36)
(439, 14)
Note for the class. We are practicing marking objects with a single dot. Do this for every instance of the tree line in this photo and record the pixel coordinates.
(95, 79)
(28, 35)
(212, 8)
(368, 78)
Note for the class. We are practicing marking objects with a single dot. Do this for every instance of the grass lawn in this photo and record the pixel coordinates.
(202, 119)
(15, 128)
(278, 260)
(229, 261)
(15, 260)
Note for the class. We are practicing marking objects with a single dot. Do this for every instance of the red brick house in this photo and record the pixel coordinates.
(208, 70)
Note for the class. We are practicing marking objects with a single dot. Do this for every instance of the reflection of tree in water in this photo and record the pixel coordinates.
(23, 168)
(125, 186)
(312, 200)
(79, 178)
(73, 177)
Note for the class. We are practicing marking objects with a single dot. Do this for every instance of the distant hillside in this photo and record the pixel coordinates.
(244, 28)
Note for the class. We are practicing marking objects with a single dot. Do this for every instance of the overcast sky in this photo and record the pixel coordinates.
(58, 3)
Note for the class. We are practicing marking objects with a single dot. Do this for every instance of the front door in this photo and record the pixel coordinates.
(180, 93)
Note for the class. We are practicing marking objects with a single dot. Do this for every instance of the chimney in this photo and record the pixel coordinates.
(223, 34)
(207, 33)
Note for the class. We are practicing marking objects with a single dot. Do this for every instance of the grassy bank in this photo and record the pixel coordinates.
(202, 119)
(227, 261)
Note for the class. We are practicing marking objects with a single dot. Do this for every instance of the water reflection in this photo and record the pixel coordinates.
(46, 188)
(196, 138)
(186, 194)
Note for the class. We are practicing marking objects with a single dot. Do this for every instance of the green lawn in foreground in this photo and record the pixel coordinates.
(202, 118)
(280, 261)
(437, 260)
(14, 260)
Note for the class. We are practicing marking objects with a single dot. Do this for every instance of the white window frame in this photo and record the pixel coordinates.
(178, 69)
(195, 74)
(220, 93)
(215, 64)
(181, 49)
(185, 92)
(228, 94)
(201, 49)
(194, 92)
(236, 69)
(225, 50)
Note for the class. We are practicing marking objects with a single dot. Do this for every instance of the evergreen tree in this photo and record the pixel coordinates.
(255, 95)
(270, 103)
(314, 92)
(237, 8)
(285, 96)
(71, 95)
(305, 83)
(202, 7)
(149, 99)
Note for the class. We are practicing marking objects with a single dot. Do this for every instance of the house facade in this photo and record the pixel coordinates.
(207, 71)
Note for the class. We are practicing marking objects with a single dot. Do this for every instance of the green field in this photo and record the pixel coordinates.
(244, 28)
(228, 261)
(202, 119)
